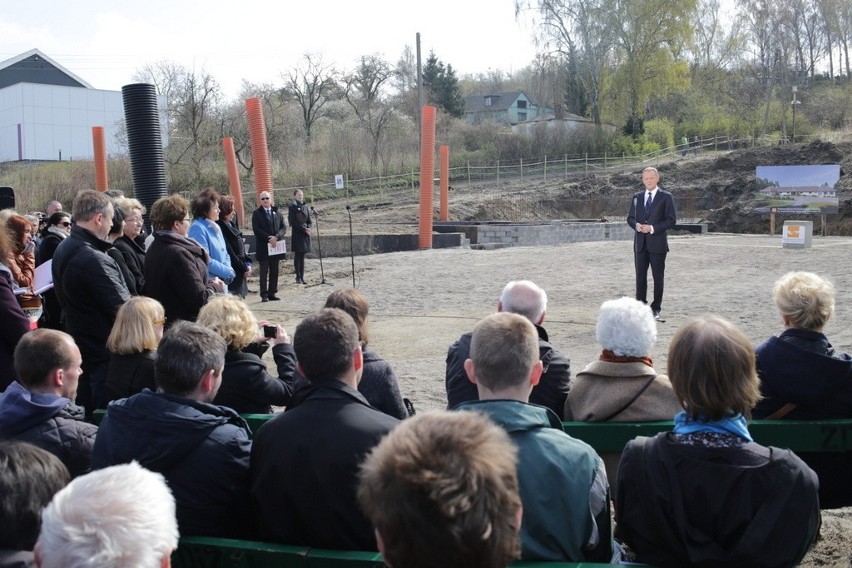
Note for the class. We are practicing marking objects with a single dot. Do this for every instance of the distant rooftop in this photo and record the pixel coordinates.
(34, 66)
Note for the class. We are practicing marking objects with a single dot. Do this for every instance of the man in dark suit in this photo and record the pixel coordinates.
(269, 227)
(652, 213)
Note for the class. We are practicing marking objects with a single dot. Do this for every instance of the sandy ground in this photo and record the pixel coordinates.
(422, 301)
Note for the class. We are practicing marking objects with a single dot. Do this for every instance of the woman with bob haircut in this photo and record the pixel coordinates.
(802, 377)
(622, 385)
(378, 384)
(706, 494)
(175, 265)
(133, 342)
(246, 385)
(206, 232)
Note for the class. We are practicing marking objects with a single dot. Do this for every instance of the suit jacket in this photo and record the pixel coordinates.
(263, 229)
(662, 215)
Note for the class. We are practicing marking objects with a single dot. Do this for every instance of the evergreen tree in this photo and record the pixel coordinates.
(442, 86)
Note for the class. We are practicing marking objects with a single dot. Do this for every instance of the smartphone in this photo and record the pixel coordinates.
(270, 331)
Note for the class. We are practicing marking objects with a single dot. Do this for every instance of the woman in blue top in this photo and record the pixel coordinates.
(205, 231)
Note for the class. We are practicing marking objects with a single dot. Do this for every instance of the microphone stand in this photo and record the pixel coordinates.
(319, 247)
(351, 246)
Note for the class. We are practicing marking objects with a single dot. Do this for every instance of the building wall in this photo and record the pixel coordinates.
(50, 122)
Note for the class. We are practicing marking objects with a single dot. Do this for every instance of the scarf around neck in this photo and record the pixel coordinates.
(735, 424)
(610, 357)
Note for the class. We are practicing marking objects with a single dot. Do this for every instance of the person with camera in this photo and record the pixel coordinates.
(247, 387)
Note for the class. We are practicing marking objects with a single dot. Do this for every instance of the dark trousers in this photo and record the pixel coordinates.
(299, 265)
(657, 262)
(268, 269)
(91, 387)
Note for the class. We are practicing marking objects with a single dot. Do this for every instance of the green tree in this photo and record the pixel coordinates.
(442, 86)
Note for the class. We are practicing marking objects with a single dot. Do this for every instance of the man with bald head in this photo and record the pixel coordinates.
(269, 227)
(527, 299)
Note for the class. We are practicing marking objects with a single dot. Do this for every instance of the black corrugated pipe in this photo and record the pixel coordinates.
(145, 143)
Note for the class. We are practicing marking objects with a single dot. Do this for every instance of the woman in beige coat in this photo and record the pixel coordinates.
(622, 385)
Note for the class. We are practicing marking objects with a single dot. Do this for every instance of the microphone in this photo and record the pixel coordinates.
(348, 208)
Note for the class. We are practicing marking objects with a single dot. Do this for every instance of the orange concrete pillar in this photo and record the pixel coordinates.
(445, 183)
(259, 149)
(427, 175)
(99, 145)
(234, 178)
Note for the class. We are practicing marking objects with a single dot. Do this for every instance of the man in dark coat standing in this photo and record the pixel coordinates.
(299, 217)
(305, 461)
(269, 227)
(652, 213)
(90, 288)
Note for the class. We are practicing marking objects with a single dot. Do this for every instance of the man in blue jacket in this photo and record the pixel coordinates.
(200, 448)
(563, 482)
(652, 213)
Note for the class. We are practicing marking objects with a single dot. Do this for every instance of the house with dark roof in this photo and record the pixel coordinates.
(510, 107)
(47, 112)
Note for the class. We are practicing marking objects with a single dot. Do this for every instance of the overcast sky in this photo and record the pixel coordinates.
(104, 42)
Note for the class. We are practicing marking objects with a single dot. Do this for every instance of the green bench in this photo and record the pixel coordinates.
(207, 552)
(798, 435)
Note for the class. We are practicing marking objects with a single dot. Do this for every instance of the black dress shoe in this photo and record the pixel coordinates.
(274, 298)
(264, 299)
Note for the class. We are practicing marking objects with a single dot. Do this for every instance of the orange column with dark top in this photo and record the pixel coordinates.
(445, 183)
(259, 149)
(99, 145)
(234, 178)
(427, 175)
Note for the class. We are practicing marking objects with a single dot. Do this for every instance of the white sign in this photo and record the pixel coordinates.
(338, 181)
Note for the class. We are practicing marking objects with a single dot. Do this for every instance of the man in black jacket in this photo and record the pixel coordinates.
(269, 227)
(40, 408)
(90, 288)
(524, 298)
(305, 462)
(200, 448)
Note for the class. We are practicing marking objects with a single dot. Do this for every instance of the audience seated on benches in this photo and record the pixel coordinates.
(706, 494)
(622, 386)
(442, 490)
(802, 377)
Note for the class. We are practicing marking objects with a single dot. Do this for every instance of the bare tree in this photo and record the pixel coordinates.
(312, 85)
(365, 94)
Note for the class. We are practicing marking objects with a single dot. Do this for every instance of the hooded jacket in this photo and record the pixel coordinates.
(201, 449)
(556, 475)
(50, 422)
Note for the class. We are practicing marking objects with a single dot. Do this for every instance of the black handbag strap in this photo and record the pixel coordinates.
(631, 401)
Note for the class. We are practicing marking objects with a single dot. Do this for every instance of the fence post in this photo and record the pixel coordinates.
(566, 166)
(468, 175)
(498, 174)
(545, 168)
(522, 170)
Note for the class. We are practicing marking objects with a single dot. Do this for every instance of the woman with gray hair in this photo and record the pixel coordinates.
(622, 385)
(802, 377)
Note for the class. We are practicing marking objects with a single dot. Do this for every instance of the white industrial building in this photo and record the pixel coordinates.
(47, 113)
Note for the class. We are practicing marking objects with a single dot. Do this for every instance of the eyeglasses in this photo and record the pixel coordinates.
(264, 198)
(187, 219)
(160, 322)
(65, 223)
